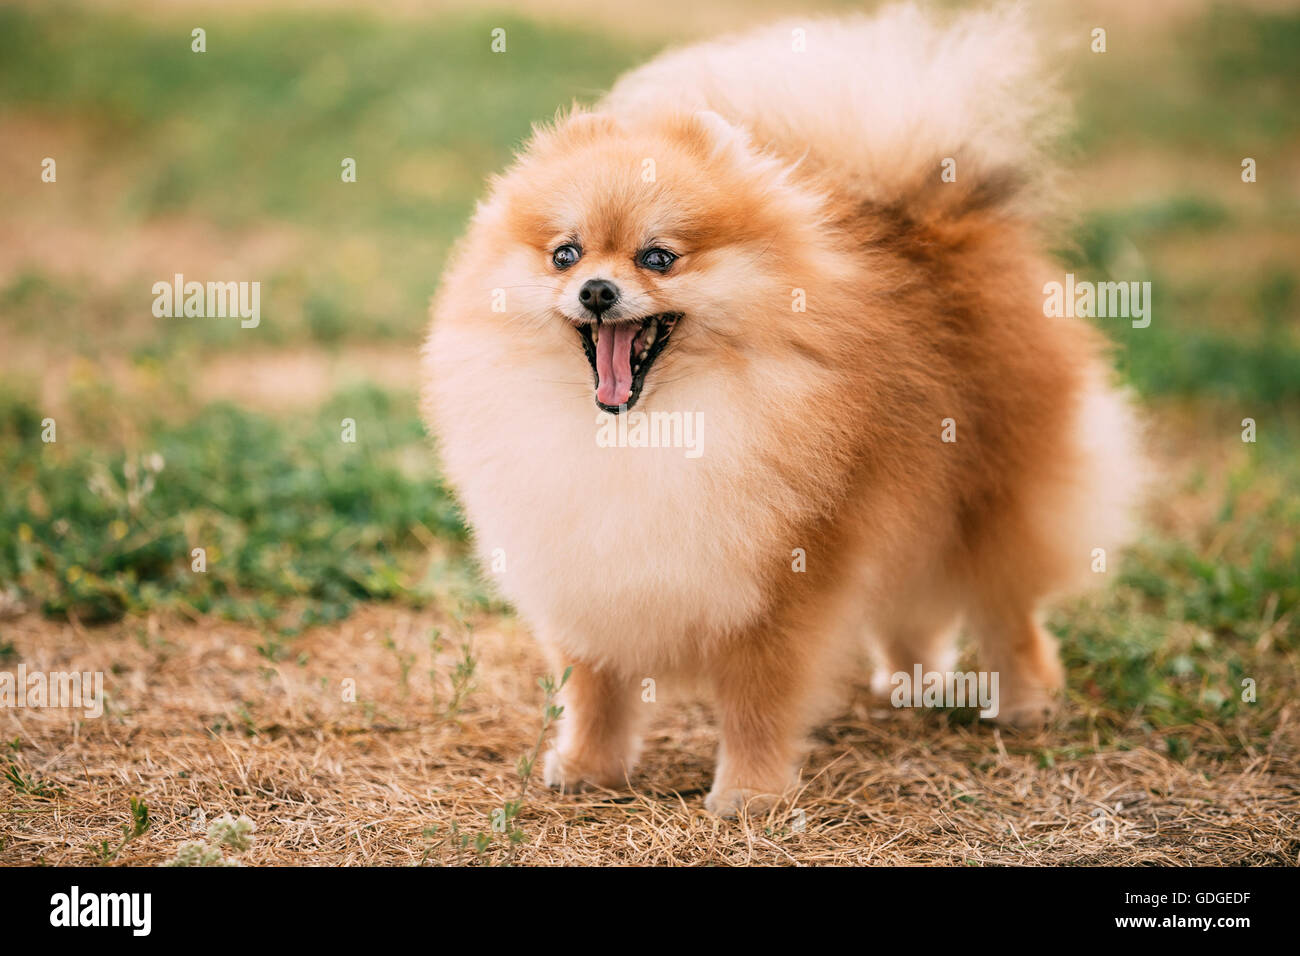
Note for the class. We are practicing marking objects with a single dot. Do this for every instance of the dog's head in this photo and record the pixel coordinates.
(650, 244)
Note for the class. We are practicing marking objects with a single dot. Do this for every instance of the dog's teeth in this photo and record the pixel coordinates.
(595, 333)
(649, 335)
(645, 353)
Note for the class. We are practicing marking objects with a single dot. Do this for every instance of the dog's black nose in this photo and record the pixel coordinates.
(598, 295)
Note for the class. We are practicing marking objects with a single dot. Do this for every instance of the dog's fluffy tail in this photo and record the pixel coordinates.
(883, 104)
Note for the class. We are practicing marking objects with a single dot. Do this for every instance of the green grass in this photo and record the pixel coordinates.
(297, 525)
(1216, 86)
(1175, 643)
(1190, 620)
(1227, 336)
(258, 125)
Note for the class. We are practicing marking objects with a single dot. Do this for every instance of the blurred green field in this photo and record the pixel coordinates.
(255, 130)
(226, 165)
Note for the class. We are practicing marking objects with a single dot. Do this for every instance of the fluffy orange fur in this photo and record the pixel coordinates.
(783, 178)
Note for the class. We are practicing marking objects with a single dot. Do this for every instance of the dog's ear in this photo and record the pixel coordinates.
(719, 137)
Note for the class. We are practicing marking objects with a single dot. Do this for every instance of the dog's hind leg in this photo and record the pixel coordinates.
(918, 626)
(1015, 646)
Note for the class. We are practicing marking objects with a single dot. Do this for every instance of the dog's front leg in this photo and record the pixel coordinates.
(599, 733)
(761, 685)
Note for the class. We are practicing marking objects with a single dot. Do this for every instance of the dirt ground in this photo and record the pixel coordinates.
(199, 722)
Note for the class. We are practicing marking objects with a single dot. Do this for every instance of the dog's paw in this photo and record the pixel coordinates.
(727, 802)
(556, 775)
(568, 774)
(1030, 697)
(1030, 712)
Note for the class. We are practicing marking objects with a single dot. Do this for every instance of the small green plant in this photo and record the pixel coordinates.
(460, 842)
(139, 825)
(224, 833)
(436, 646)
(273, 648)
(503, 821)
(405, 661)
(26, 783)
(462, 675)
(509, 814)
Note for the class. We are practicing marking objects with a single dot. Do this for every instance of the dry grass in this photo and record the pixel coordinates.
(199, 722)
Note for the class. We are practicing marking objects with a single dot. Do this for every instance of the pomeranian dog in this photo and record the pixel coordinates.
(819, 244)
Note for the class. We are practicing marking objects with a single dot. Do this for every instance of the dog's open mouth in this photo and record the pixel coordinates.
(621, 354)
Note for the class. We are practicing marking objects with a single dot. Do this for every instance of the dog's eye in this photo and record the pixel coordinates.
(657, 259)
(566, 256)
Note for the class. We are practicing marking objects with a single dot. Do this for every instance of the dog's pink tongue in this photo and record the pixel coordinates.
(614, 363)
